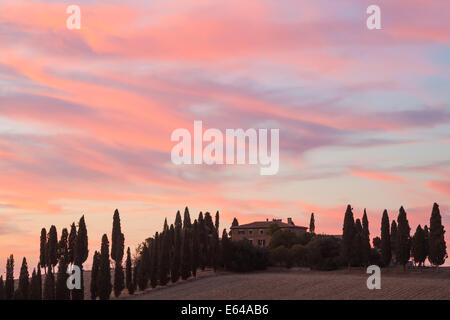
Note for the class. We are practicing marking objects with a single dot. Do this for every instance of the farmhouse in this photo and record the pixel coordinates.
(258, 232)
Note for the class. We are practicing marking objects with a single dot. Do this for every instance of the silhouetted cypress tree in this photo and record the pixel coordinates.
(217, 223)
(437, 247)
(9, 281)
(71, 243)
(348, 234)
(104, 274)
(178, 222)
(226, 249)
(195, 249)
(94, 275)
(39, 282)
(312, 223)
(186, 259)
(49, 285)
(135, 275)
(61, 291)
(143, 272)
(52, 248)
(235, 223)
(176, 261)
(403, 238)
(63, 249)
(171, 244)
(203, 242)
(215, 250)
(23, 292)
(129, 273)
(366, 240)
(43, 247)
(81, 253)
(426, 234)
(394, 241)
(2, 289)
(418, 246)
(154, 260)
(386, 254)
(117, 248)
(357, 249)
(187, 219)
(164, 261)
(377, 243)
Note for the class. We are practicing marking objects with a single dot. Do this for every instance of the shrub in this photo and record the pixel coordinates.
(245, 257)
(324, 253)
(299, 254)
(281, 256)
(287, 238)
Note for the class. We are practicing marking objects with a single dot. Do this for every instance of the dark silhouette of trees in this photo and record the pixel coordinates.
(9, 281)
(164, 260)
(104, 273)
(377, 243)
(71, 243)
(357, 245)
(2, 289)
(394, 240)
(437, 246)
(52, 248)
(235, 222)
(403, 238)
(312, 223)
(61, 291)
(154, 254)
(187, 219)
(81, 253)
(129, 273)
(49, 285)
(418, 249)
(117, 248)
(217, 221)
(195, 249)
(347, 236)
(24, 283)
(186, 258)
(386, 254)
(365, 240)
(176, 260)
(43, 247)
(94, 275)
(226, 249)
(178, 222)
(143, 268)
(426, 234)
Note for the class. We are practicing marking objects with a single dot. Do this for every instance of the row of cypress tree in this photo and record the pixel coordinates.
(396, 244)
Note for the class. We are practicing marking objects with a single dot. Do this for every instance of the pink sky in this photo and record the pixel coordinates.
(86, 115)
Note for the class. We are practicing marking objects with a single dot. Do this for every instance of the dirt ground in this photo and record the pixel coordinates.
(304, 284)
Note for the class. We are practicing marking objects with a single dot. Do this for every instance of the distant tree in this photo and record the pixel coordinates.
(215, 250)
(95, 275)
(24, 282)
(348, 233)
(61, 291)
(43, 247)
(377, 243)
(217, 223)
(9, 281)
(2, 289)
(285, 238)
(312, 225)
(357, 250)
(235, 223)
(394, 240)
(129, 273)
(437, 246)
(187, 219)
(154, 263)
(186, 257)
(52, 248)
(71, 243)
(323, 253)
(104, 273)
(39, 283)
(49, 285)
(117, 248)
(426, 234)
(178, 221)
(403, 238)
(142, 269)
(386, 254)
(226, 249)
(195, 249)
(418, 246)
(135, 275)
(176, 261)
(365, 240)
(164, 261)
(203, 242)
(63, 249)
(81, 253)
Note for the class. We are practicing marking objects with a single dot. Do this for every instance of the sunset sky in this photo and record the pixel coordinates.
(86, 115)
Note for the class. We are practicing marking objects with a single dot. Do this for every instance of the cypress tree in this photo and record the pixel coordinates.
(426, 234)
(24, 282)
(366, 240)
(226, 249)
(61, 291)
(52, 248)
(129, 273)
(154, 261)
(2, 289)
(394, 240)
(49, 285)
(43, 247)
(348, 234)
(176, 261)
(39, 283)
(203, 242)
(164, 260)
(135, 275)
(142, 269)
(178, 221)
(386, 254)
(104, 273)
(357, 244)
(235, 223)
(215, 250)
(195, 249)
(117, 248)
(9, 281)
(403, 238)
(187, 219)
(437, 246)
(94, 275)
(312, 226)
(186, 259)
(63, 250)
(216, 223)
(418, 246)
(71, 243)
(81, 253)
